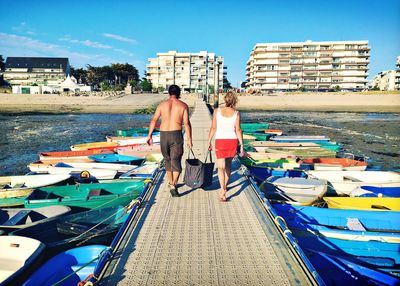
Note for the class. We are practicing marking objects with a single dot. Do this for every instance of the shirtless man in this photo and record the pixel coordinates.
(173, 113)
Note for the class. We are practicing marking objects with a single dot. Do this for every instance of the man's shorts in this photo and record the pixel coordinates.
(171, 143)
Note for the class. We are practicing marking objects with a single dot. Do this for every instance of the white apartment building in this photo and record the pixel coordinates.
(36, 70)
(397, 79)
(190, 71)
(384, 80)
(309, 66)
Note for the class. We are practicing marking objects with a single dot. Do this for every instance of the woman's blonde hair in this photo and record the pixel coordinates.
(230, 99)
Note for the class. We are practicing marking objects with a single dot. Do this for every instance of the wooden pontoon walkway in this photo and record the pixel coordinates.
(197, 240)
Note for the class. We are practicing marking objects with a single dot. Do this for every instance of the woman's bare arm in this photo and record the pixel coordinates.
(212, 129)
(239, 134)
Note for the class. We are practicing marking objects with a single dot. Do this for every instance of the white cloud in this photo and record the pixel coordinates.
(119, 38)
(23, 28)
(15, 45)
(124, 52)
(87, 43)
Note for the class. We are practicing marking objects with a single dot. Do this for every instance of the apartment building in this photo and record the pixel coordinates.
(397, 79)
(308, 66)
(36, 70)
(190, 71)
(384, 80)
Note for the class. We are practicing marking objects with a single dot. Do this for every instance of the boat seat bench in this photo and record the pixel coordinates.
(17, 218)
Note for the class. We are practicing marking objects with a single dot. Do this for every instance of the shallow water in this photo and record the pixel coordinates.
(24, 136)
(375, 135)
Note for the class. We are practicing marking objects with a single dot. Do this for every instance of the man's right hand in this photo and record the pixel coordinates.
(190, 144)
(149, 141)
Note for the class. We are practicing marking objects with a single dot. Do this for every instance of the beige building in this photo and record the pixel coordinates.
(308, 66)
(384, 80)
(36, 71)
(190, 71)
(397, 79)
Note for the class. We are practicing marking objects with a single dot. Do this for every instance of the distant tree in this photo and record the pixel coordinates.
(105, 85)
(133, 83)
(2, 63)
(337, 88)
(226, 84)
(80, 74)
(161, 89)
(302, 89)
(125, 72)
(375, 88)
(96, 75)
(146, 85)
(243, 84)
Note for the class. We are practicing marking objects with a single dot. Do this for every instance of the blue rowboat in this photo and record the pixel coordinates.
(96, 226)
(372, 191)
(116, 158)
(336, 270)
(301, 138)
(341, 218)
(262, 173)
(330, 145)
(64, 268)
(380, 249)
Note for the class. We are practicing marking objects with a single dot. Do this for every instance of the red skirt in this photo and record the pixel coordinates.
(225, 148)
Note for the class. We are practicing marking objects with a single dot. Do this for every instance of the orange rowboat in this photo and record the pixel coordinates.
(273, 131)
(76, 155)
(344, 164)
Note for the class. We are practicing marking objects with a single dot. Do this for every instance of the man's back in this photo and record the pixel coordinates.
(172, 114)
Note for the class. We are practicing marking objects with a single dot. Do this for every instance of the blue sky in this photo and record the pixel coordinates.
(103, 32)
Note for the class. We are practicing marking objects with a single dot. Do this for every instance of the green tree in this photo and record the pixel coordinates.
(125, 72)
(161, 89)
(337, 88)
(80, 74)
(2, 63)
(226, 84)
(105, 85)
(146, 85)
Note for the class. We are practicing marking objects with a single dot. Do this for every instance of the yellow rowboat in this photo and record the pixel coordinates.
(154, 157)
(367, 203)
(248, 137)
(87, 146)
(260, 156)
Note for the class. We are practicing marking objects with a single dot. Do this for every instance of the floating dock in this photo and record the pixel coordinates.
(197, 240)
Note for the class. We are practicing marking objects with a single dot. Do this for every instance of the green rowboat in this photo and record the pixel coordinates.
(87, 196)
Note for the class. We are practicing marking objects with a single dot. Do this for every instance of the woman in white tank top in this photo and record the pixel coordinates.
(226, 127)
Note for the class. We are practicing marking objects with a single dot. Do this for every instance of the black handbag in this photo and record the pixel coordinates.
(194, 172)
(208, 170)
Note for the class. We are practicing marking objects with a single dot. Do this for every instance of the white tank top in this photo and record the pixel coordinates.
(226, 126)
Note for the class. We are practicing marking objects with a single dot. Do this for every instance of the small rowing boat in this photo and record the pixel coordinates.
(70, 155)
(86, 146)
(336, 164)
(344, 182)
(371, 191)
(360, 203)
(300, 191)
(300, 138)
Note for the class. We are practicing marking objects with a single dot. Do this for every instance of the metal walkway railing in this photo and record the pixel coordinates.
(197, 240)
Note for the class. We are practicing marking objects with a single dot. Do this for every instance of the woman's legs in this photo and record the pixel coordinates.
(221, 176)
(228, 164)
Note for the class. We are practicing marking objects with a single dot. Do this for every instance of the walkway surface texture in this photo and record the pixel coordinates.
(197, 240)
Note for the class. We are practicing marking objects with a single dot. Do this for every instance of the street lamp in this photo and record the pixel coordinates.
(217, 65)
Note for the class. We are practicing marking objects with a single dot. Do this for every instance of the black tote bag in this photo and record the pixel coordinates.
(208, 170)
(194, 172)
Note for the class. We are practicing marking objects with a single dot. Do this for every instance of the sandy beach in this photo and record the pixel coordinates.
(351, 102)
(50, 103)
